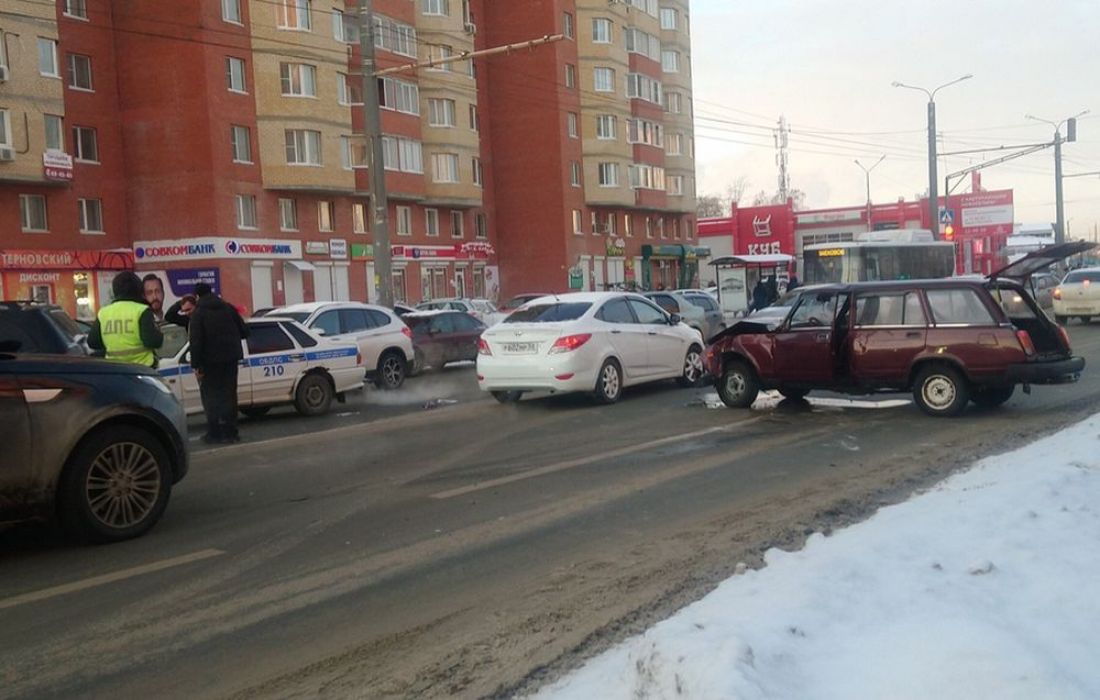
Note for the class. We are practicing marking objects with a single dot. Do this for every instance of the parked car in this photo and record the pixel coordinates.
(440, 337)
(1078, 295)
(481, 309)
(676, 303)
(715, 319)
(41, 328)
(401, 309)
(779, 310)
(283, 363)
(518, 301)
(96, 444)
(595, 342)
(383, 338)
(1042, 286)
(948, 341)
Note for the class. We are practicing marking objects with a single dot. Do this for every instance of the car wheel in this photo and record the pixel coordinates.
(115, 485)
(314, 395)
(255, 411)
(507, 396)
(1061, 320)
(693, 368)
(391, 371)
(992, 396)
(793, 394)
(609, 382)
(738, 385)
(940, 390)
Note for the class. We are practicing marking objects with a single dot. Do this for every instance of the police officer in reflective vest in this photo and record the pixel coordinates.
(126, 328)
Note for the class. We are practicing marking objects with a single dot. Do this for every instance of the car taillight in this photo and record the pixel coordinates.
(1057, 293)
(1065, 337)
(483, 347)
(569, 343)
(408, 332)
(1086, 283)
(1025, 341)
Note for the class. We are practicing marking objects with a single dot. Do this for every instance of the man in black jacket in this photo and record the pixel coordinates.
(180, 312)
(216, 331)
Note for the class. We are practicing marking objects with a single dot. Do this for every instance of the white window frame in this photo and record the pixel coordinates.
(675, 144)
(396, 37)
(78, 144)
(574, 173)
(431, 223)
(26, 215)
(304, 147)
(578, 222)
(572, 127)
(607, 127)
(404, 155)
(288, 214)
(608, 174)
(84, 208)
(435, 8)
(481, 226)
(603, 79)
(303, 15)
(603, 30)
(568, 25)
(442, 112)
(475, 119)
(643, 43)
(444, 167)
(643, 87)
(458, 223)
(670, 61)
(51, 44)
(675, 185)
(59, 131)
(358, 217)
(76, 9)
(570, 76)
(236, 68)
(235, 143)
(326, 216)
(399, 96)
(231, 12)
(445, 51)
(670, 19)
(346, 92)
(246, 206)
(343, 30)
(298, 80)
(86, 62)
(403, 220)
(479, 172)
(6, 138)
(674, 102)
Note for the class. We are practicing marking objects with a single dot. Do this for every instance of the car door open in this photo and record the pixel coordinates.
(804, 351)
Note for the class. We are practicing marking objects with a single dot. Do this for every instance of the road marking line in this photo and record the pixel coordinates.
(582, 461)
(46, 593)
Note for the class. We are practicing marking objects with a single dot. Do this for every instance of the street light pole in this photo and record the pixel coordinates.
(867, 175)
(1059, 199)
(372, 130)
(933, 195)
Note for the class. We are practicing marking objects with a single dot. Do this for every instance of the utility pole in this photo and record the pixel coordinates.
(782, 141)
(867, 173)
(1059, 199)
(372, 130)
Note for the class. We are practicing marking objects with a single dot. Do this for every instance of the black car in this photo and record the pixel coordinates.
(96, 444)
(42, 328)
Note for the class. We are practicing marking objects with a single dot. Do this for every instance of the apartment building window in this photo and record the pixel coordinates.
(643, 43)
(595, 220)
(80, 72)
(403, 155)
(605, 127)
(675, 185)
(294, 14)
(670, 61)
(431, 222)
(394, 36)
(54, 138)
(458, 224)
(234, 74)
(436, 7)
(676, 229)
(647, 6)
(231, 11)
(648, 227)
(325, 215)
(32, 208)
(571, 125)
(344, 30)
(47, 58)
(612, 228)
(643, 87)
(674, 102)
(348, 90)
(288, 214)
(240, 138)
(85, 144)
(479, 173)
(404, 221)
(570, 76)
(661, 229)
(675, 144)
(627, 228)
(603, 80)
(90, 214)
(609, 174)
(475, 122)
(481, 226)
(6, 138)
(353, 153)
(670, 19)
(575, 173)
(645, 132)
(76, 8)
(445, 167)
(246, 211)
(647, 177)
(577, 223)
(439, 53)
(303, 147)
(567, 28)
(602, 31)
(441, 112)
(358, 217)
(399, 95)
(298, 79)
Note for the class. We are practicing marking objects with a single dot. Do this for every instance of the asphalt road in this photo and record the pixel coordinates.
(406, 546)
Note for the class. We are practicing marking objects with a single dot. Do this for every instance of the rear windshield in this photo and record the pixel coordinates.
(1079, 276)
(548, 313)
(516, 302)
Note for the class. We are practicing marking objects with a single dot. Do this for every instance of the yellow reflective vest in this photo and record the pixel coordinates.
(119, 325)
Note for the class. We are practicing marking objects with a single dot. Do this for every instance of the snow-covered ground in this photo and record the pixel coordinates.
(987, 586)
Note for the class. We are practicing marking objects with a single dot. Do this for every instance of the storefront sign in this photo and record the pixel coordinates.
(772, 248)
(423, 252)
(830, 217)
(66, 259)
(57, 165)
(576, 278)
(316, 248)
(361, 251)
(338, 249)
(39, 277)
(216, 248)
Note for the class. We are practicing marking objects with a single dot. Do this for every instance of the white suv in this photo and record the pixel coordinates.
(383, 338)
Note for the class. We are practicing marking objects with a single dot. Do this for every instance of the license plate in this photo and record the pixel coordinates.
(521, 348)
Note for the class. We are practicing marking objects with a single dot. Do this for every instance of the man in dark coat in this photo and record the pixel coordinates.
(180, 312)
(216, 331)
(759, 296)
(793, 283)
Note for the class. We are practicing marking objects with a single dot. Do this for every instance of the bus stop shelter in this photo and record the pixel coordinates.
(738, 274)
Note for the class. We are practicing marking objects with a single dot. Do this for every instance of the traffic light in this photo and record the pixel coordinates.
(949, 233)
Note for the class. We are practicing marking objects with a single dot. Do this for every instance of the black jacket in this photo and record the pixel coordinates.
(173, 315)
(215, 330)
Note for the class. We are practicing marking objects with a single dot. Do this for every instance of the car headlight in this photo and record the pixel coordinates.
(157, 382)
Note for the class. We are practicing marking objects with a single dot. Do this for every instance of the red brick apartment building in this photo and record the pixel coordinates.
(221, 140)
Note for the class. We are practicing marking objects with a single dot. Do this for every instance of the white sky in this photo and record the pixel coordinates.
(982, 587)
(828, 65)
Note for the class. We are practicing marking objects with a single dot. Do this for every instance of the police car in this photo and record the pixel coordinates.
(283, 364)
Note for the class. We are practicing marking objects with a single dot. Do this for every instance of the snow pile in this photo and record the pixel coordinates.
(987, 586)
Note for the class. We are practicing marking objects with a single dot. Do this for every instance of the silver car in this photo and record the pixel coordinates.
(692, 315)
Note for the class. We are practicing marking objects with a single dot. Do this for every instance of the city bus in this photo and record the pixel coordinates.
(912, 256)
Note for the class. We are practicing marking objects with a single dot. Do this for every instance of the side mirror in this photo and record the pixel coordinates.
(318, 331)
(674, 320)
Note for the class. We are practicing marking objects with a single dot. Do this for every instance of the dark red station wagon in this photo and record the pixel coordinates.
(949, 341)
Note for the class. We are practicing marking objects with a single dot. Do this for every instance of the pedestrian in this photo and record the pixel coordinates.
(793, 283)
(126, 329)
(180, 312)
(759, 296)
(216, 330)
(773, 290)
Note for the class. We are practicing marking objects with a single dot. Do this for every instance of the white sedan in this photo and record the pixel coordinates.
(1078, 295)
(283, 364)
(595, 342)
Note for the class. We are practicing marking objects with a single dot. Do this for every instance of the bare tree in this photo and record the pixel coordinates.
(712, 205)
(763, 198)
(735, 191)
